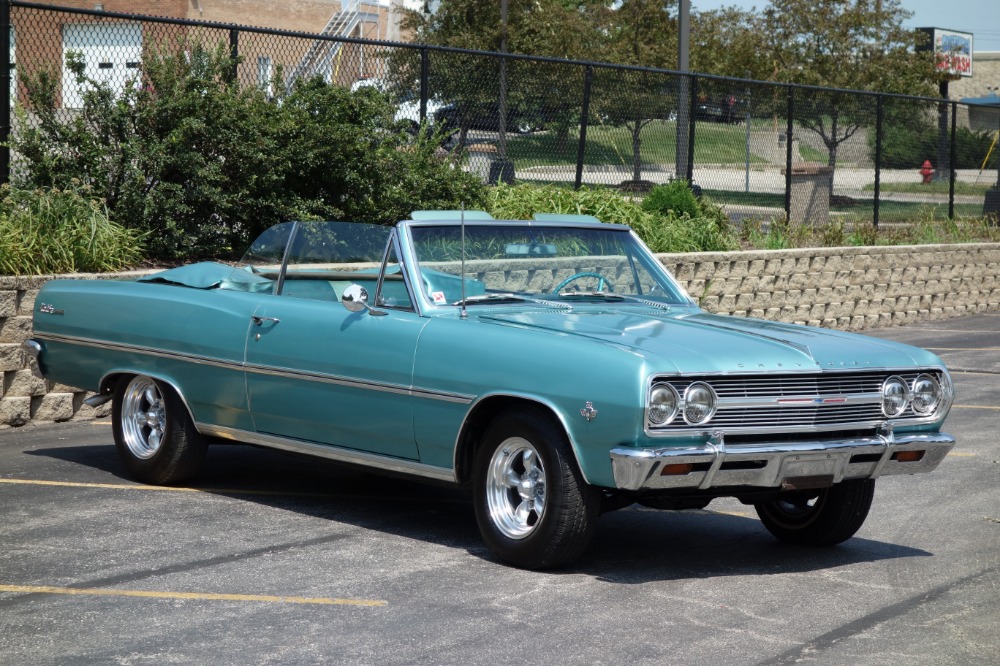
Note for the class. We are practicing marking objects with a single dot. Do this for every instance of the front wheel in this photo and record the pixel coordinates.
(155, 437)
(532, 505)
(819, 518)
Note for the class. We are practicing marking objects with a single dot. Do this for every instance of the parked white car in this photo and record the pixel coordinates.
(407, 106)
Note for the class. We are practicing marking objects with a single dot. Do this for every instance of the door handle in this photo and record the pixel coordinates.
(259, 321)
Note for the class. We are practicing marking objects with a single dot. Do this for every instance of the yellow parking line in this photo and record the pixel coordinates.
(962, 454)
(975, 407)
(198, 596)
(113, 486)
(222, 491)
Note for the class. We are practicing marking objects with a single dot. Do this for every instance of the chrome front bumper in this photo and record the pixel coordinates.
(776, 465)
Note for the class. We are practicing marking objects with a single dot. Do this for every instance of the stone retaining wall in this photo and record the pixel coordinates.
(844, 288)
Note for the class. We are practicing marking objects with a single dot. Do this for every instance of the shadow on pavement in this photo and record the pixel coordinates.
(631, 546)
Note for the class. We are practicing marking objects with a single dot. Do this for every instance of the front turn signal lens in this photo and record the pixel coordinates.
(909, 456)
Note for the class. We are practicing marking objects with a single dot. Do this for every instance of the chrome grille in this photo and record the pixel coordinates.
(792, 402)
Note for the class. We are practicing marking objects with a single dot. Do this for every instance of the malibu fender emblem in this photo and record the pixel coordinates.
(47, 308)
(588, 412)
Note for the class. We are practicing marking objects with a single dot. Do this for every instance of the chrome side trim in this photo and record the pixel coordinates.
(386, 463)
(358, 383)
(767, 465)
(430, 394)
(138, 349)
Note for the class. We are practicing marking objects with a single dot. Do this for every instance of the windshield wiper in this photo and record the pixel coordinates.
(509, 297)
(612, 296)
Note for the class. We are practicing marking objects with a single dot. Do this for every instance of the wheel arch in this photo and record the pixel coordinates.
(108, 382)
(483, 411)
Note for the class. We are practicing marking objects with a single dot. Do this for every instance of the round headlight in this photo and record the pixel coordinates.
(699, 403)
(926, 395)
(663, 404)
(895, 396)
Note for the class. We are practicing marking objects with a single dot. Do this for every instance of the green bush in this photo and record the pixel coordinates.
(674, 198)
(61, 231)
(203, 165)
(662, 233)
(907, 143)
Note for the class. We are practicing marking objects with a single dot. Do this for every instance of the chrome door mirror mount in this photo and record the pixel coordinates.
(355, 299)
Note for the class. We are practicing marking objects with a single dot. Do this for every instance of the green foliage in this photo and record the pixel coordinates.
(925, 229)
(675, 198)
(910, 141)
(203, 165)
(61, 231)
(661, 232)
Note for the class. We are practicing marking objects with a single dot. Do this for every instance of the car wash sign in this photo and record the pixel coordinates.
(952, 51)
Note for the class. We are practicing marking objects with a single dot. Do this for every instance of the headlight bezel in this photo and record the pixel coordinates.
(662, 388)
(713, 403)
(902, 395)
(938, 392)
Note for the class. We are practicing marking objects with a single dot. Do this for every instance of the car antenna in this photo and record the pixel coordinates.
(464, 314)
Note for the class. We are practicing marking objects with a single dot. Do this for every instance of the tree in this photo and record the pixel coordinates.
(202, 165)
(729, 42)
(642, 33)
(555, 28)
(846, 44)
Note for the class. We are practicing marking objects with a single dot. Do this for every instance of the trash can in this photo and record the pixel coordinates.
(812, 184)
(481, 156)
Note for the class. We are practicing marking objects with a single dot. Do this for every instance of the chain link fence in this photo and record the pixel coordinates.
(763, 151)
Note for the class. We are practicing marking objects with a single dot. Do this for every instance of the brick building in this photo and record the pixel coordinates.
(112, 48)
(984, 84)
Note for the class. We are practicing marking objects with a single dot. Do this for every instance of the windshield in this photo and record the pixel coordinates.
(555, 264)
(319, 258)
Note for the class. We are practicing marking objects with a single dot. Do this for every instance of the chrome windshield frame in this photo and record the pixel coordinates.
(425, 304)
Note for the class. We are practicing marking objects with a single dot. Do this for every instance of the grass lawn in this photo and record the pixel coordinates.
(612, 145)
(889, 211)
(935, 187)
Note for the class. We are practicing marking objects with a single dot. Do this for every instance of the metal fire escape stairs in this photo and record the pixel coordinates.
(322, 53)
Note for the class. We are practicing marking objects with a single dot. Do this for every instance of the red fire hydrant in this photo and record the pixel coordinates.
(927, 171)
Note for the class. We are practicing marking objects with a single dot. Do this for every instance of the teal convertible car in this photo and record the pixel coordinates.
(552, 366)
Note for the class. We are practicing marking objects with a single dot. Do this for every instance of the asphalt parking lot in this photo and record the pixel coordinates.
(273, 559)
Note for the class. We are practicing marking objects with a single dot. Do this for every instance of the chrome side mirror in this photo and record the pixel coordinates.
(355, 299)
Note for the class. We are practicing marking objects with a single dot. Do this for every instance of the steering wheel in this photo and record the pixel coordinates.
(602, 281)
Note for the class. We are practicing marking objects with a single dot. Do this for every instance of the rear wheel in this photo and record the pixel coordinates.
(154, 435)
(532, 505)
(819, 518)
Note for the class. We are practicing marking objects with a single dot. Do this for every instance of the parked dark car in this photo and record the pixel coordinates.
(724, 109)
(483, 116)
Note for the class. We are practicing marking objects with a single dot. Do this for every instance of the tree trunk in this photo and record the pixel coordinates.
(636, 155)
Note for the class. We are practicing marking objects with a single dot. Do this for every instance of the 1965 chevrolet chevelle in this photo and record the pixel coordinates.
(551, 366)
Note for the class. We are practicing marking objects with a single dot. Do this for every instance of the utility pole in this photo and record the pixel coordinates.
(684, 89)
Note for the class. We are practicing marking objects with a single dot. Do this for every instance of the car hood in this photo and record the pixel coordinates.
(706, 343)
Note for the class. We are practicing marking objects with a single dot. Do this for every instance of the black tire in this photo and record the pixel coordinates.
(819, 518)
(525, 453)
(155, 437)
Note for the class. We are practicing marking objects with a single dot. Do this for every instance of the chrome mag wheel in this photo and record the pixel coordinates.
(143, 417)
(515, 488)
